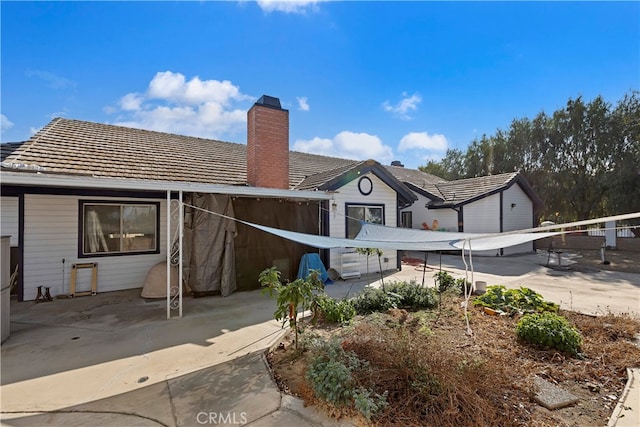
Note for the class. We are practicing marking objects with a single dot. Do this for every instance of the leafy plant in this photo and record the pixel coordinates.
(374, 299)
(330, 374)
(412, 295)
(333, 311)
(523, 300)
(368, 252)
(444, 281)
(369, 403)
(549, 330)
(396, 294)
(292, 296)
(460, 284)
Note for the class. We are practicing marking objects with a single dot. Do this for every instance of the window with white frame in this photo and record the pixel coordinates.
(114, 228)
(407, 219)
(368, 213)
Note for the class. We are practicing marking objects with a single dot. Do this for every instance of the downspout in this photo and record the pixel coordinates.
(21, 247)
(501, 217)
(460, 218)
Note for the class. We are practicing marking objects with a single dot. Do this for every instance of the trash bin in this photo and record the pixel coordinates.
(5, 286)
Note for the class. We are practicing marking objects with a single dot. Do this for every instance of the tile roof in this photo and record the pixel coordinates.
(465, 190)
(418, 179)
(316, 180)
(452, 193)
(6, 149)
(66, 146)
(76, 147)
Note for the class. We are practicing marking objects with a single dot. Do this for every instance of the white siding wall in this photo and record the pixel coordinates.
(381, 194)
(9, 218)
(51, 235)
(483, 216)
(447, 218)
(517, 218)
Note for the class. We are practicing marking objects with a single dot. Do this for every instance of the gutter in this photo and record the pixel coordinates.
(65, 181)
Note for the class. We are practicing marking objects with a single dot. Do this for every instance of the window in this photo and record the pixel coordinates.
(357, 213)
(407, 219)
(111, 228)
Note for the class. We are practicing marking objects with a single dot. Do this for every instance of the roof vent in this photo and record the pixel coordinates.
(397, 163)
(269, 101)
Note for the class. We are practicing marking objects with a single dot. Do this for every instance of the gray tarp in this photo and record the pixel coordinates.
(209, 259)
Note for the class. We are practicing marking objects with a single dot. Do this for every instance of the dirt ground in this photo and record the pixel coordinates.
(503, 392)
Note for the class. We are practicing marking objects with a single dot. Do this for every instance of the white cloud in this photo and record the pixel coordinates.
(196, 107)
(5, 123)
(131, 101)
(303, 104)
(423, 141)
(406, 105)
(348, 145)
(288, 6)
(54, 81)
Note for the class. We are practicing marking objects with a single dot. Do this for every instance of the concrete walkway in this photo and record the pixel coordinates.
(114, 359)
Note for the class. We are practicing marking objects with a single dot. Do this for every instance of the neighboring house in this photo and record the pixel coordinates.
(79, 192)
(487, 204)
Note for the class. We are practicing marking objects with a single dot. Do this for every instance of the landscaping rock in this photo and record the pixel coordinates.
(551, 396)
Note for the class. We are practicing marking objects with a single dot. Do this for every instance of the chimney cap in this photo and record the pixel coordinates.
(269, 101)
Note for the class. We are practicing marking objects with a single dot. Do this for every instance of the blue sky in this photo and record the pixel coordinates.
(384, 80)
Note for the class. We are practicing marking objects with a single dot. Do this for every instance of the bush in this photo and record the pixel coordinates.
(333, 311)
(523, 300)
(397, 294)
(413, 295)
(549, 330)
(444, 281)
(374, 299)
(330, 374)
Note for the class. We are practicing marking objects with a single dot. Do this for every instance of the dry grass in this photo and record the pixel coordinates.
(435, 374)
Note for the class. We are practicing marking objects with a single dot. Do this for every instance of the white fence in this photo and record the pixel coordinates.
(624, 232)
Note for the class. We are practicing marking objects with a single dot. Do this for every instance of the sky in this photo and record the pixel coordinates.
(384, 80)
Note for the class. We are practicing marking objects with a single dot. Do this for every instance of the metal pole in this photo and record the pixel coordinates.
(180, 234)
(168, 255)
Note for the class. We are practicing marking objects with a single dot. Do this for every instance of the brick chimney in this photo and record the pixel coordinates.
(268, 144)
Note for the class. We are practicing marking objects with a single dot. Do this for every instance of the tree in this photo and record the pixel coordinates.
(582, 160)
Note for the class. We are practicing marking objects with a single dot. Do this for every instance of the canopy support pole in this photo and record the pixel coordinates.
(168, 231)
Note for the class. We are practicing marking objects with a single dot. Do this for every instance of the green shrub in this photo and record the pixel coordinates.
(397, 294)
(369, 403)
(549, 330)
(413, 295)
(330, 374)
(460, 285)
(373, 299)
(444, 281)
(333, 311)
(523, 300)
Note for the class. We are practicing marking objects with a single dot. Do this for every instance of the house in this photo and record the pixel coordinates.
(486, 204)
(82, 194)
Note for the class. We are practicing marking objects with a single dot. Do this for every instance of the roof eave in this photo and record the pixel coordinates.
(67, 181)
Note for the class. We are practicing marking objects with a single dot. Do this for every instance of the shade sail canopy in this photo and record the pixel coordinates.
(391, 238)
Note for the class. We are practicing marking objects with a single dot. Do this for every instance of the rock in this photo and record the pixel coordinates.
(551, 396)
